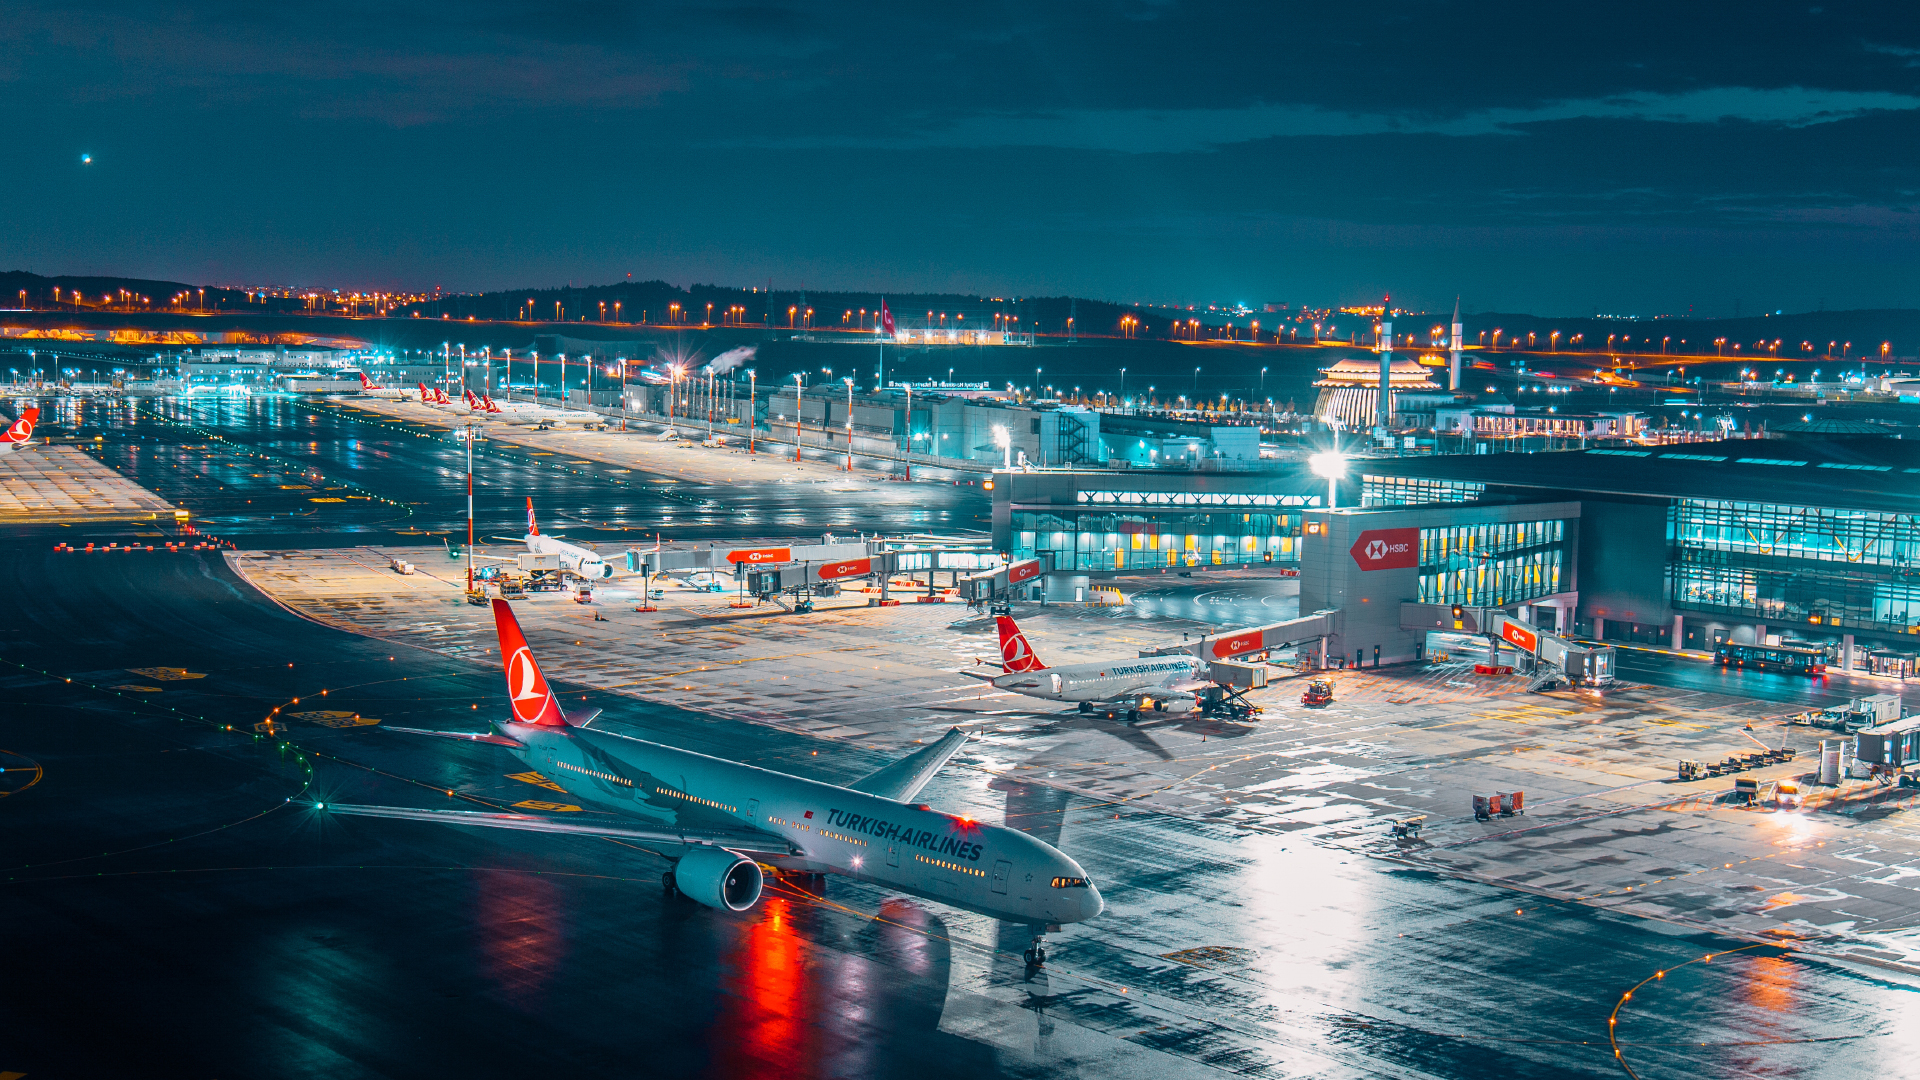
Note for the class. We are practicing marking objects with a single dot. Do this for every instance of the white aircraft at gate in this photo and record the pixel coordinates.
(1149, 683)
(721, 820)
(582, 561)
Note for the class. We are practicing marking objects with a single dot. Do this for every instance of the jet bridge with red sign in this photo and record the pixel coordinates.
(1557, 661)
(1219, 648)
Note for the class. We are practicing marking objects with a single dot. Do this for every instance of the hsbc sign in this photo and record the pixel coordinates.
(760, 556)
(1228, 647)
(1022, 571)
(1387, 549)
(847, 569)
(1520, 635)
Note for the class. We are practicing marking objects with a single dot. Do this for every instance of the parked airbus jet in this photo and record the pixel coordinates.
(373, 389)
(583, 561)
(1153, 683)
(20, 432)
(722, 819)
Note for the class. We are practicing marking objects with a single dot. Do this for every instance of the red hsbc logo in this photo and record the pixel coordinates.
(1520, 635)
(760, 555)
(1237, 644)
(1387, 549)
(1021, 571)
(850, 568)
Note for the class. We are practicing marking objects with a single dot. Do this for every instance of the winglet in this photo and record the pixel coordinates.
(903, 779)
(527, 690)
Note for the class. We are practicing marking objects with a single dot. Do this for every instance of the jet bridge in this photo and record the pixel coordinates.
(1557, 661)
(998, 583)
(1216, 648)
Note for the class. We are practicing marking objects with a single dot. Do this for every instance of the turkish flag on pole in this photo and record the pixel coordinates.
(886, 317)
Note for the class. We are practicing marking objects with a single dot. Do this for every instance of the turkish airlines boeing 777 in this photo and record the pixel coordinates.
(722, 820)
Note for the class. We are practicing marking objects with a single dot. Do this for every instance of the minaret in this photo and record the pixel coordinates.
(1386, 364)
(1459, 342)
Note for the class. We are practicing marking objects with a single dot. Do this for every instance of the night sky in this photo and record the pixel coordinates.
(1560, 159)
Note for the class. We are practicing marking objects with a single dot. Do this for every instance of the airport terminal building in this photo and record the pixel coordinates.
(1750, 541)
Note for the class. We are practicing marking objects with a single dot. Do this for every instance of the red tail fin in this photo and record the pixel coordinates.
(527, 690)
(1016, 652)
(533, 527)
(22, 429)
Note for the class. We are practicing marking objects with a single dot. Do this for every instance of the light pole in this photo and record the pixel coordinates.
(798, 390)
(1330, 464)
(753, 397)
(849, 382)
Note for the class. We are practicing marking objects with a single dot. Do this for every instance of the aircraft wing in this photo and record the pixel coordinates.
(752, 840)
(903, 779)
(485, 737)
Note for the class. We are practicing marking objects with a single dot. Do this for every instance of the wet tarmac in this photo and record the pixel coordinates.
(288, 472)
(171, 912)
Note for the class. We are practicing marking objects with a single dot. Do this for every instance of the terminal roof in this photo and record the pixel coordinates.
(1873, 474)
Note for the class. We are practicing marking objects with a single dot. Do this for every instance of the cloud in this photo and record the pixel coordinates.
(1190, 130)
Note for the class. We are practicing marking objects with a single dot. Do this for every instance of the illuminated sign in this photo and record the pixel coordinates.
(1519, 635)
(1238, 644)
(758, 556)
(1387, 549)
(847, 569)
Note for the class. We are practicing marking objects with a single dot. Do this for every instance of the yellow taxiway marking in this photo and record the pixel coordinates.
(536, 804)
(333, 718)
(167, 674)
(536, 780)
(136, 687)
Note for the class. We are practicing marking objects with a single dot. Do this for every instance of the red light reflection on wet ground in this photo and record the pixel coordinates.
(524, 943)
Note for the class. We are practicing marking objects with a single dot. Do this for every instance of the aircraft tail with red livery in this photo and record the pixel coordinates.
(1016, 652)
(20, 432)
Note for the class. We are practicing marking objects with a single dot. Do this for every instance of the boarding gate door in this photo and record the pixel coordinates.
(1001, 871)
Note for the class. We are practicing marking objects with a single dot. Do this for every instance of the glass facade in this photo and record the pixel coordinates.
(1416, 491)
(1851, 569)
(1127, 530)
(1493, 564)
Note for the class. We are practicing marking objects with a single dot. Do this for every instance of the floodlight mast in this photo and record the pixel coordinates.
(1332, 465)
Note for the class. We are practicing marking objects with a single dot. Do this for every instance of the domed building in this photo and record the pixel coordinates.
(1350, 389)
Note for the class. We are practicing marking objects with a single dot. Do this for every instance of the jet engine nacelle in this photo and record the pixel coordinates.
(719, 879)
(1174, 703)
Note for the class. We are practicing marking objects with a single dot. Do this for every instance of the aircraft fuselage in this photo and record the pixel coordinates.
(1114, 680)
(990, 869)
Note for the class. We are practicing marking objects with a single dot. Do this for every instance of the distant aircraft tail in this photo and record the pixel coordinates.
(491, 407)
(367, 384)
(527, 690)
(426, 395)
(533, 527)
(1016, 652)
(22, 429)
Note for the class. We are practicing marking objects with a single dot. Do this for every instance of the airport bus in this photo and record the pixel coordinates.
(1792, 659)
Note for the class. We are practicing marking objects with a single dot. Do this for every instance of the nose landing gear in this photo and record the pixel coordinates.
(1036, 954)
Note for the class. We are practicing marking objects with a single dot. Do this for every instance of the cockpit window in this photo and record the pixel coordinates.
(1069, 883)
